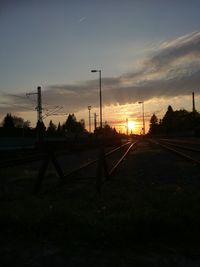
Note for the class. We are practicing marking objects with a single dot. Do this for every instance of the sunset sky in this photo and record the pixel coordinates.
(147, 50)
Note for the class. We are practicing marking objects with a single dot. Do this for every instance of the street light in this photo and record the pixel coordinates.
(100, 95)
(142, 102)
(95, 121)
(89, 108)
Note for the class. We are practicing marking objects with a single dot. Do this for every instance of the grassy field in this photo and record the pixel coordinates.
(147, 215)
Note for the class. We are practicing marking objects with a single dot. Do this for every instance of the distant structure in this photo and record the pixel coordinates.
(39, 106)
(95, 121)
(126, 126)
(40, 125)
(89, 108)
(193, 103)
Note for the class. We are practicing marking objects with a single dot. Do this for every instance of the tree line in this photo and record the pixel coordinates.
(12, 125)
(178, 122)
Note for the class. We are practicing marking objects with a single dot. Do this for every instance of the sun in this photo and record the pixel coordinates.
(131, 125)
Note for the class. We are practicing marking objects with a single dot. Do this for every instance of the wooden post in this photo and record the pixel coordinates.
(57, 166)
(41, 174)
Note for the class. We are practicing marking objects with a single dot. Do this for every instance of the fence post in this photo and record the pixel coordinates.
(41, 175)
(57, 166)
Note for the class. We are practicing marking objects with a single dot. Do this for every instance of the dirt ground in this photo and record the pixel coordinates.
(148, 214)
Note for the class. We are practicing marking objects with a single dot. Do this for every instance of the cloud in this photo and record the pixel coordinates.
(12, 103)
(183, 48)
(173, 69)
(82, 19)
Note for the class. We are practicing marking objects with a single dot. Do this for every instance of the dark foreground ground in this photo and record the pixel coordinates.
(148, 214)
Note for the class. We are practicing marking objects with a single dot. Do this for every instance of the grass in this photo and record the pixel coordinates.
(117, 217)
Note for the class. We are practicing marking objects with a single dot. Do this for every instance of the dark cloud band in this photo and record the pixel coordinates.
(173, 70)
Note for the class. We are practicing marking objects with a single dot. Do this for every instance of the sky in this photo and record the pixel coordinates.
(147, 50)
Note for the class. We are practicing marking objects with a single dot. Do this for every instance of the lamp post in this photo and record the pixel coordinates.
(89, 108)
(95, 121)
(100, 96)
(142, 102)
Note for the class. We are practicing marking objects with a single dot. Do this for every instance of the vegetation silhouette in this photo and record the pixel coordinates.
(179, 123)
(14, 126)
(72, 126)
(70, 134)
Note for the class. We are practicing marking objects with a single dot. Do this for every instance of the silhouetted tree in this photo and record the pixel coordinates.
(15, 126)
(60, 130)
(154, 126)
(176, 122)
(154, 120)
(8, 122)
(27, 124)
(51, 130)
(107, 131)
(15, 122)
(59, 127)
(20, 123)
(168, 120)
(72, 126)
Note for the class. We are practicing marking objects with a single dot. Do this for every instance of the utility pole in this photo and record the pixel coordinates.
(39, 103)
(193, 103)
(100, 96)
(127, 126)
(40, 125)
(95, 121)
(39, 107)
(89, 108)
(143, 128)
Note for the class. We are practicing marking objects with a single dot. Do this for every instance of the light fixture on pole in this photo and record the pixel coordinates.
(100, 96)
(89, 108)
(142, 102)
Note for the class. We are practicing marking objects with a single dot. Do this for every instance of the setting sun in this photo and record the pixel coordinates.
(131, 125)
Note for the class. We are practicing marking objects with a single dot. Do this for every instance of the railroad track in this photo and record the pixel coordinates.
(113, 158)
(102, 164)
(127, 146)
(189, 150)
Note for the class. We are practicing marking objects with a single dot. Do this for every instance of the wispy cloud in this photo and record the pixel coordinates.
(171, 70)
(82, 19)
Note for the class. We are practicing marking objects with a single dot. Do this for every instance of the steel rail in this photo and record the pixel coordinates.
(182, 147)
(181, 154)
(117, 148)
(38, 156)
(114, 168)
(85, 165)
(181, 141)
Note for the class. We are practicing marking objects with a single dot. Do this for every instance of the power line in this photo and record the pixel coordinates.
(52, 113)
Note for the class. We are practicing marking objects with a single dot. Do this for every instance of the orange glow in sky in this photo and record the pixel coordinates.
(131, 125)
(137, 63)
